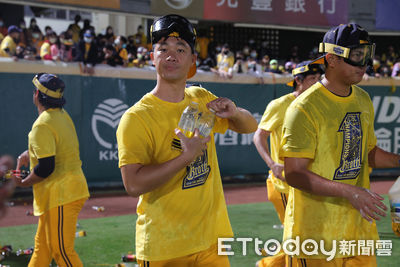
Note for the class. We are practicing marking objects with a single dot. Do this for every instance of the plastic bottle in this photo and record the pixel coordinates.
(205, 123)
(394, 198)
(188, 119)
(98, 208)
(80, 234)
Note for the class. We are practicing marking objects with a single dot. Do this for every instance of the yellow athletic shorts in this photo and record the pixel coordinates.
(205, 258)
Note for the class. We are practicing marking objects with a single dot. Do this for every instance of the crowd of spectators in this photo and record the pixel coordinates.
(81, 44)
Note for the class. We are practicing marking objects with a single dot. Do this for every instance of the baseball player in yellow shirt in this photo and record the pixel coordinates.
(181, 209)
(328, 145)
(305, 74)
(59, 185)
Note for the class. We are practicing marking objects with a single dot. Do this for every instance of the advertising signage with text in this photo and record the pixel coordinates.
(285, 12)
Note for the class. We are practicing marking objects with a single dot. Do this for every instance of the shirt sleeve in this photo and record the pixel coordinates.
(270, 120)
(42, 142)
(299, 138)
(134, 141)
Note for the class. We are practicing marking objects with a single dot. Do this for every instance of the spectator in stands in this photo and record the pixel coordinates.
(202, 44)
(110, 35)
(9, 44)
(87, 52)
(47, 30)
(24, 36)
(240, 65)
(246, 51)
(33, 27)
(131, 46)
(66, 47)
(389, 57)
(265, 63)
(3, 28)
(225, 62)
(30, 53)
(252, 65)
(396, 68)
(274, 67)
(75, 28)
(19, 52)
(110, 55)
(140, 60)
(37, 41)
(86, 26)
(120, 48)
(289, 66)
(49, 49)
(140, 37)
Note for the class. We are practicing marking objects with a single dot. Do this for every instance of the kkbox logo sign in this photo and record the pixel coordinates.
(105, 120)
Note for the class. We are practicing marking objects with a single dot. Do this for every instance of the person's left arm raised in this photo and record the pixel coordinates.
(240, 119)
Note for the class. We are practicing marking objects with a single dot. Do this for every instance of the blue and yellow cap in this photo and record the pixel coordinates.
(49, 84)
(344, 39)
(308, 67)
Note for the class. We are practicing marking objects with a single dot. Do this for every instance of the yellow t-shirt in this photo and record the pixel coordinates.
(188, 213)
(337, 133)
(9, 43)
(45, 50)
(53, 134)
(225, 62)
(123, 53)
(272, 121)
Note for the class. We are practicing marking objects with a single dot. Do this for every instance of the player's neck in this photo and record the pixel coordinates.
(336, 87)
(171, 92)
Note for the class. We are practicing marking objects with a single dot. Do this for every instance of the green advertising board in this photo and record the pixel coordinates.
(96, 105)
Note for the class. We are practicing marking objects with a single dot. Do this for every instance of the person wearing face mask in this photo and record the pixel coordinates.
(120, 48)
(76, 29)
(225, 62)
(9, 44)
(66, 44)
(49, 49)
(36, 42)
(86, 52)
(252, 63)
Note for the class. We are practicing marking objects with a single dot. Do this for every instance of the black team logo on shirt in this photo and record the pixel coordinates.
(197, 172)
(350, 160)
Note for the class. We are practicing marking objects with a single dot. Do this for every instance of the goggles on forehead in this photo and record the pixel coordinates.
(361, 55)
(312, 68)
(176, 27)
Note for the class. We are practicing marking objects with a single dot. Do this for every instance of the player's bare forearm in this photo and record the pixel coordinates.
(140, 179)
(30, 180)
(243, 122)
(240, 120)
(260, 140)
(368, 203)
(378, 158)
(298, 176)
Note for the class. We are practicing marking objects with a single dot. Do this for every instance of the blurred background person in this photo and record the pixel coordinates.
(225, 62)
(9, 44)
(86, 52)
